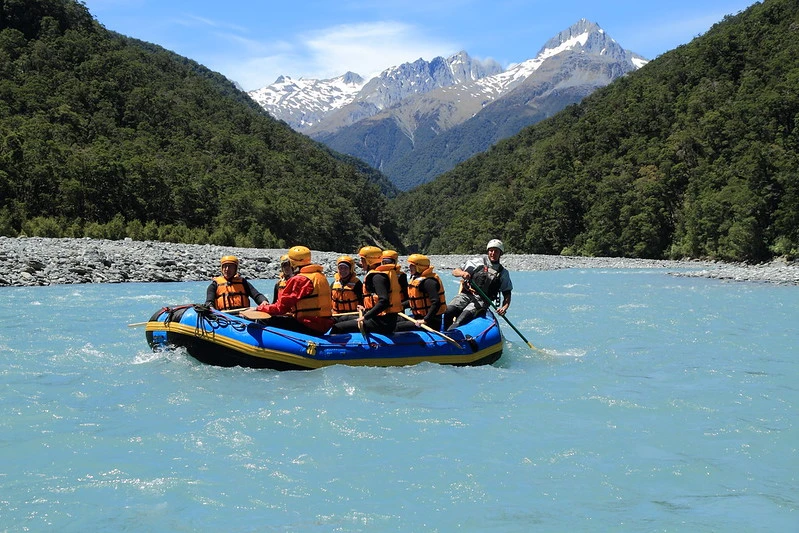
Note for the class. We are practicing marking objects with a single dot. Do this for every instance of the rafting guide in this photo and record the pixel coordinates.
(490, 277)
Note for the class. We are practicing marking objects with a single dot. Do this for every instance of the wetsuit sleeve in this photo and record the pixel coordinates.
(382, 287)
(505, 283)
(431, 288)
(358, 290)
(210, 294)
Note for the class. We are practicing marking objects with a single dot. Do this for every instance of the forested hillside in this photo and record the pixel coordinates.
(106, 136)
(694, 155)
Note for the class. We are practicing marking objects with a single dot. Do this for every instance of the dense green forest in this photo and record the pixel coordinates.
(106, 136)
(694, 155)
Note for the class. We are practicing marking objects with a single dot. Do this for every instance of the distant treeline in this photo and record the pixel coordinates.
(694, 155)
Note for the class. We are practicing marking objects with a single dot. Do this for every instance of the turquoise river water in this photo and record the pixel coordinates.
(654, 403)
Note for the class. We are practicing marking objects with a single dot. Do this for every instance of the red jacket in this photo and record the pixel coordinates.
(296, 287)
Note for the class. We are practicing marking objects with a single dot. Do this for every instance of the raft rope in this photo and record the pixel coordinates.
(170, 313)
(208, 321)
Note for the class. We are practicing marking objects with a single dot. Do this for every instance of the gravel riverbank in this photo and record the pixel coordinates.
(39, 261)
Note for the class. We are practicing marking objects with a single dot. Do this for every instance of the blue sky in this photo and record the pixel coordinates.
(253, 43)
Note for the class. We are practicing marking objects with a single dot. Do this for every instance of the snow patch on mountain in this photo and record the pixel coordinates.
(314, 106)
(304, 101)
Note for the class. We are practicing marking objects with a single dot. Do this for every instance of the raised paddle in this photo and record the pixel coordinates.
(431, 330)
(137, 324)
(492, 304)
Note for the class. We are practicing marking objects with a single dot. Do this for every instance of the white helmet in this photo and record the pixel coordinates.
(496, 243)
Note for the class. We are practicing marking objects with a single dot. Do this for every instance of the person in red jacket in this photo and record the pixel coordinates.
(304, 304)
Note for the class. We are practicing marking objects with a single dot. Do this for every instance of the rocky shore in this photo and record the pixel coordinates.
(39, 261)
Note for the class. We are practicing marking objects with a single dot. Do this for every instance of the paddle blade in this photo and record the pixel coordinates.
(252, 314)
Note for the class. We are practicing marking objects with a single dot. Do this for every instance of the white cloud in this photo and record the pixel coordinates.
(365, 48)
(194, 21)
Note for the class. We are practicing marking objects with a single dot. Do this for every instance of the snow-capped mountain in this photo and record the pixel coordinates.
(584, 37)
(569, 68)
(422, 113)
(305, 103)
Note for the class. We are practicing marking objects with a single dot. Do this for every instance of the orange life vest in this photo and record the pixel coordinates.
(394, 296)
(318, 303)
(344, 298)
(230, 294)
(402, 278)
(419, 300)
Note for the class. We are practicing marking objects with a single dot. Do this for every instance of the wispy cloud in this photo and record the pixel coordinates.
(194, 21)
(365, 48)
(370, 47)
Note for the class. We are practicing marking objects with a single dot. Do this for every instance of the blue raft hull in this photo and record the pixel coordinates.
(222, 339)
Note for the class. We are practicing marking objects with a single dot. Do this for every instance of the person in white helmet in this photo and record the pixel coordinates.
(493, 279)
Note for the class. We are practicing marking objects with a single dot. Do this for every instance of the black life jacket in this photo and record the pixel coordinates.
(488, 280)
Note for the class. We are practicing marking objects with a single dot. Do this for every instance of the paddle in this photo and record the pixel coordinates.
(237, 311)
(492, 304)
(360, 323)
(431, 330)
(252, 314)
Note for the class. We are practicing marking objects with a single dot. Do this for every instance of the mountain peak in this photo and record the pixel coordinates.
(576, 35)
(352, 78)
(318, 106)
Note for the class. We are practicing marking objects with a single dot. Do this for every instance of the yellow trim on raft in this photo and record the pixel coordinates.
(310, 362)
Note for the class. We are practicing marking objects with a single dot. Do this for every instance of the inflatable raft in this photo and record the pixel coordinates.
(223, 339)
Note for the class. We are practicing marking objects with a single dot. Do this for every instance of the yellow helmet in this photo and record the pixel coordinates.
(372, 254)
(227, 259)
(421, 261)
(284, 259)
(299, 256)
(391, 255)
(346, 259)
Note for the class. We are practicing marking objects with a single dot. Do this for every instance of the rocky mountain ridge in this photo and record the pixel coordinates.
(400, 122)
(306, 103)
